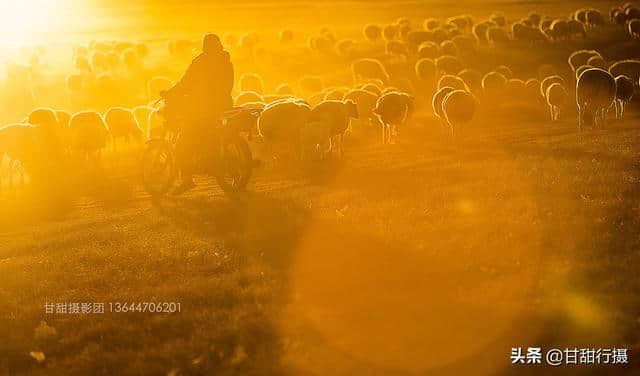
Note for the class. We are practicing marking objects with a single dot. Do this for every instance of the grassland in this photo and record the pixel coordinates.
(422, 256)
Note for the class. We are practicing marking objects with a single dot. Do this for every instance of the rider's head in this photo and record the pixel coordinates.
(211, 44)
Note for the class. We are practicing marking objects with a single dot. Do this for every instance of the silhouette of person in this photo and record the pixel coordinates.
(207, 84)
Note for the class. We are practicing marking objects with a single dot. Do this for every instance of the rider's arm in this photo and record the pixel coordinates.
(187, 80)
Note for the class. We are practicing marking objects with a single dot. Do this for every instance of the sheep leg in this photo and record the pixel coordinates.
(617, 104)
(552, 112)
(580, 116)
(341, 145)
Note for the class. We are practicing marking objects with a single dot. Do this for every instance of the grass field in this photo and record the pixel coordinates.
(395, 261)
(425, 257)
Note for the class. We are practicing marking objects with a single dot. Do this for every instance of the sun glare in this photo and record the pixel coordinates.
(23, 20)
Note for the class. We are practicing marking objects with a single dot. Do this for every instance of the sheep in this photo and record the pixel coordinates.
(458, 108)
(597, 62)
(548, 81)
(499, 19)
(624, 93)
(247, 96)
(121, 123)
(515, 89)
(493, 84)
(534, 18)
(580, 57)
(532, 89)
(74, 82)
(556, 97)
(581, 69)
(403, 31)
(431, 24)
(368, 68)
(82, 64)
(389, 32)
(156, 85)
(505, 70)
(480, 31)
(345, 47)
(426, 70)
(428, 50)
(465, 44)
(365, 102)
(448, 64)
(633, 27)
(88, 133)
(575, 27)
(19, 143)
(472, 78)
(45, 118)
(546, 70)
(436, 102)
(113, 60)
(595, 92)
(497, 36)
(98, 61)
(141, 113)
(372, 33)
(251, 82)
(460, 22)
(63, 119)
(372, 88)
(311, 84)
(286, 36)
(335, 93)
(449, 48)
(395, 47)
(559, 30)
(629, 68)
(130, 59)
(284, 89)
(335, 116)
(594, 18)
(393, 109)
(281, 123)
(452, 81)
(230, 40)
(141, 49)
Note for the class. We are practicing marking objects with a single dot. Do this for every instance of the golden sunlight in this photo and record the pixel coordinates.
(21, 21)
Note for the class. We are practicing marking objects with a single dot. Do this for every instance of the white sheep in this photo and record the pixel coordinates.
(121, 123)
(493, 84)
(595, 92)
(251, 82)
(335, 116)
(88, 133)
(367, 68)
(548, 81)
(624, 93)
(436, 102)
(556, 97)
(365, 102)
(452, 81)
(19, 143)
(629, 68)
(581, 57)
(393, 109)
(458, 108)
(246, 97)
(281, 122)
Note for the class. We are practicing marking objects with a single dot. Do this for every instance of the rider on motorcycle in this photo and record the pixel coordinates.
(207, 84)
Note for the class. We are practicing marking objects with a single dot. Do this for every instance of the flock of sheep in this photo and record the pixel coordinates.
(372, 84)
